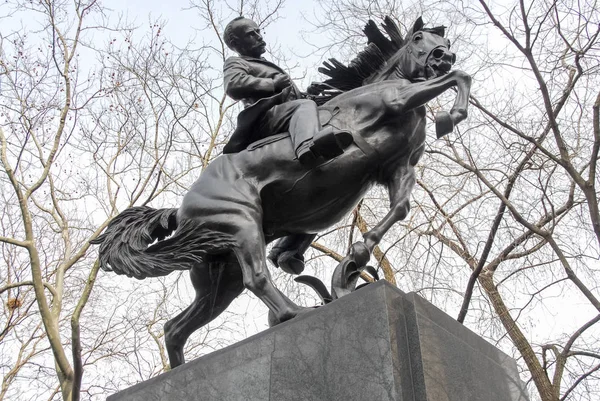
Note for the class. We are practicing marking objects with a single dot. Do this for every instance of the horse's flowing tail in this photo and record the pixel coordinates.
(124, 246)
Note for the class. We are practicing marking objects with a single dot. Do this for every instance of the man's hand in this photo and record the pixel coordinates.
(281, 81)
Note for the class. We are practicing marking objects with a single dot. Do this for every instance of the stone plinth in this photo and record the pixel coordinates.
(375, 344)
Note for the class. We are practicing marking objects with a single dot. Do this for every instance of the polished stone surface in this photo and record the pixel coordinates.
(452, 362)
(375, 344)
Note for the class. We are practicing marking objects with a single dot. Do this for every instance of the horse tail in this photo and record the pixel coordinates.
(124, 246)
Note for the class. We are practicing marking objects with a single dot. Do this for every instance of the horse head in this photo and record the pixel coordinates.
(424, 54)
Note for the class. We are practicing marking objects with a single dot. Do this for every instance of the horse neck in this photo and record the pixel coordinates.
(400, 67)
(403, 68)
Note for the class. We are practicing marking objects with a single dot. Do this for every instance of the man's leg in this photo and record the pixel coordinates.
(300, 117)
(304, 125)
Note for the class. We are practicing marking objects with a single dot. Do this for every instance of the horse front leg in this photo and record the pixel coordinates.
(418, 94)
(444, 121)
(400, 187)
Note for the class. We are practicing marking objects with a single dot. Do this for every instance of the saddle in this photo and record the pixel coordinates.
(325, 116)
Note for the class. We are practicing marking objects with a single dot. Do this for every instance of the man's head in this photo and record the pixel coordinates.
(242, 35)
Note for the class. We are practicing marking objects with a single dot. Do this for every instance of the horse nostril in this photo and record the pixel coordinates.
(438, 53)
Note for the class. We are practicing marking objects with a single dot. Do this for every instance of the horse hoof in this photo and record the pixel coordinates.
(273, 320)
(360, 253)
(443, 124)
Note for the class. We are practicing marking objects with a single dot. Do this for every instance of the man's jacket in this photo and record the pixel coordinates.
(251, 80)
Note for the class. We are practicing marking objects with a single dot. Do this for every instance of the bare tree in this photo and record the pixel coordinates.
(96, 116)
(77, 144)
(505, 218)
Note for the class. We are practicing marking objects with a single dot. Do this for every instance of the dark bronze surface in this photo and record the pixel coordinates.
(245, 200)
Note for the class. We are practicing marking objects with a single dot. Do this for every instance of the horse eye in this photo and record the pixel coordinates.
(418, 37)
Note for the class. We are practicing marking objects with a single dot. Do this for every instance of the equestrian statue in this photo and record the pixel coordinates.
(297, 164)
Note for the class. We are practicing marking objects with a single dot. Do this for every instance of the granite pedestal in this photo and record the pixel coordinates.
(377, 344)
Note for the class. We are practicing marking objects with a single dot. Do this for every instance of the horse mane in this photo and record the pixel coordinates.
(376, 58)
(379, 49)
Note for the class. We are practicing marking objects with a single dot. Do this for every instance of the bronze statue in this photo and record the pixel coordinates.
(243, 201)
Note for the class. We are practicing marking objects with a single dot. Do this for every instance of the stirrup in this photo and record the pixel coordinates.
(330, 142)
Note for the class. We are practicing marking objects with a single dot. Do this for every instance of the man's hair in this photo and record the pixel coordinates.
(228, 34)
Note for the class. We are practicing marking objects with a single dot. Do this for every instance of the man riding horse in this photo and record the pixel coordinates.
(254, 195)
(274, 104)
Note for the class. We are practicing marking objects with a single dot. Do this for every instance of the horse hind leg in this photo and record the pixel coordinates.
(216, 285)
(250, 253)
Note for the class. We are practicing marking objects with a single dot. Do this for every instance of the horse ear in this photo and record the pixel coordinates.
(418, 25)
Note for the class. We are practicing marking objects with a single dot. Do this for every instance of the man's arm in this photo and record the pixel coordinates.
(239, 84)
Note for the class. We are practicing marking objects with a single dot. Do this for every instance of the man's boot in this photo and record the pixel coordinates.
(328, 143)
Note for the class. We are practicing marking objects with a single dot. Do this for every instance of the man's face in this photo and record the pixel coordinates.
(247, 38)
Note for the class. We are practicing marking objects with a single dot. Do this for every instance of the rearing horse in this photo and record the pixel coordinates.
(243, 201)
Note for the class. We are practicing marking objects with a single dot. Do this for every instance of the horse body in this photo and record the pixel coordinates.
(245, 200)
(301, 201)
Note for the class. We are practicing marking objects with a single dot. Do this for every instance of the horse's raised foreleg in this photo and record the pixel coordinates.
(250, 253)
(417, 94)
(216, 285)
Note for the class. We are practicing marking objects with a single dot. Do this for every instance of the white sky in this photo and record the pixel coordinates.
(181, 26)
(182, 23)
